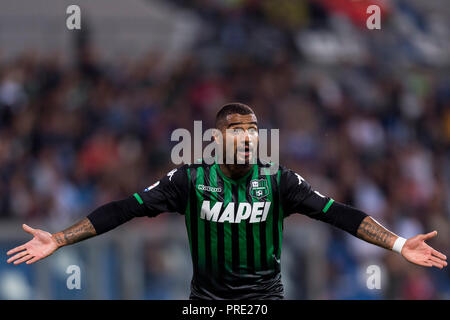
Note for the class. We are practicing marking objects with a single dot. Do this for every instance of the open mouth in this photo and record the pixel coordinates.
(244, 150)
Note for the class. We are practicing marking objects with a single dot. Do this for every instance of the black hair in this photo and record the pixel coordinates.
(231, 108)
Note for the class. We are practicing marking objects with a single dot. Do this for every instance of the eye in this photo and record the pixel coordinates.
(237, 130)
(252, 131)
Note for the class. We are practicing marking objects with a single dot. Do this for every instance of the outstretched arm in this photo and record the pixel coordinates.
(167, 195)
(415, 250)
(298, 196)
(44, 244)
(101, 220)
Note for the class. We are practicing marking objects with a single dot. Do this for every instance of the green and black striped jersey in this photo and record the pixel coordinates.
(234, 227)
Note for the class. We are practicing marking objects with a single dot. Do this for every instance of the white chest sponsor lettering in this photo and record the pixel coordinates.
(256, 212)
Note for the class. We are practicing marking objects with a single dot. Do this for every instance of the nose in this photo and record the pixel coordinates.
(247, 138)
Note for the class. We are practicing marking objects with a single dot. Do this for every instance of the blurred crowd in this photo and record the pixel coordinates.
(369, 132)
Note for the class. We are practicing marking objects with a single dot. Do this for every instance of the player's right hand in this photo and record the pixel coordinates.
(42, 245)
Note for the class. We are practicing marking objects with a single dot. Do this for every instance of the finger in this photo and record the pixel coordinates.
(27, 257)
(28, 229)
(437, 260)
(33, 260)
(438, 254)
(16, 249)
(17, 256)
(436, 264)
(429, 235)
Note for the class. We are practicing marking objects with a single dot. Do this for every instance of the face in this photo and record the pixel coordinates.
(240, 134)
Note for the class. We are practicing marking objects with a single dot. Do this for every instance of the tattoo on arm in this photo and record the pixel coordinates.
(78, 232)
(373, 232)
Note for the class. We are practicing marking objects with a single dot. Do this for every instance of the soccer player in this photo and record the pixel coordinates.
(234, 217)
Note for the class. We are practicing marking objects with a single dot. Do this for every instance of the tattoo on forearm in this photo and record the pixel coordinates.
(371, 231)
(78, 232)
(59, 238)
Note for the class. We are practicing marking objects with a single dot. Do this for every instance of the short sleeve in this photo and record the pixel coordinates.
(297, 195)
(169, 194)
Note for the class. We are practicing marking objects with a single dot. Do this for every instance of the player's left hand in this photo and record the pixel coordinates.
(416, 251)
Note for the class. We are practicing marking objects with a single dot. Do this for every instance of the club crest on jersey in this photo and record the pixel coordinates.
(259, 189)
